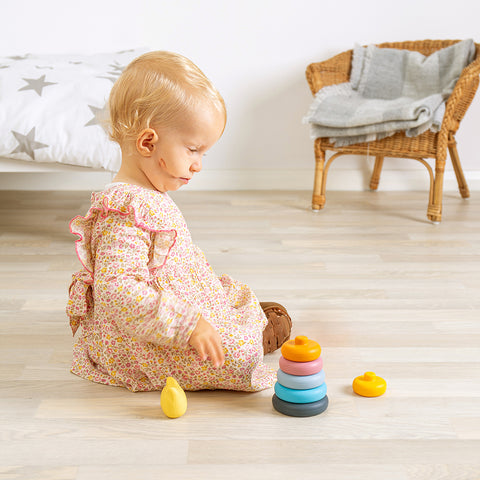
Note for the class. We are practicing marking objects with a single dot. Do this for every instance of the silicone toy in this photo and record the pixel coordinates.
(300, 390)
(369, 385)
(303, 382)
(173, 399)
(301, 368)
(301, 349)
(300, 396)
(300, 409)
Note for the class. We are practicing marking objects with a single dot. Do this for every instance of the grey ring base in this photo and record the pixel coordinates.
(300, 409)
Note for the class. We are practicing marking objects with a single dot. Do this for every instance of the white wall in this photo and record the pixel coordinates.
(256, 52)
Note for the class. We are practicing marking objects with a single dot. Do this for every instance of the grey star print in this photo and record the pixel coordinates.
(19, 57)
(27, 143)
(37, 84)
(117, 70)
(112, 79)
(99, 115)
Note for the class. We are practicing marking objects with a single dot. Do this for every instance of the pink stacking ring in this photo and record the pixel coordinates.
(301, 368)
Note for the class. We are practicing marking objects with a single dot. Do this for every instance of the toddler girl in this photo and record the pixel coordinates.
(148, 303)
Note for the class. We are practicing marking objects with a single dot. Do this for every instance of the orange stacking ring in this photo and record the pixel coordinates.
(301, 349)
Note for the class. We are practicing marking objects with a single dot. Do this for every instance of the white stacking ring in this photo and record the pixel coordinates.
(298, 382)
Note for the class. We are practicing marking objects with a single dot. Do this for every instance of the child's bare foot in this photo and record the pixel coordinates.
(278, 328)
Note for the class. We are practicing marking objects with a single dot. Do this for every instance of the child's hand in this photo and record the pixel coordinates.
(207, 342)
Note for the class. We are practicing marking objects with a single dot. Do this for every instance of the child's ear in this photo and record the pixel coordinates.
(146, 142)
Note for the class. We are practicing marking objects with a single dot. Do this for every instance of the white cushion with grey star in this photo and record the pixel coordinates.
(52, 107)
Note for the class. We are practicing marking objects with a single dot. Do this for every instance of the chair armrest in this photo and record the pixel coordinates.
(330, 72)
(462, 95)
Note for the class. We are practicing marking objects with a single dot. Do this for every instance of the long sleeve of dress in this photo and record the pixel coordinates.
(124, 286)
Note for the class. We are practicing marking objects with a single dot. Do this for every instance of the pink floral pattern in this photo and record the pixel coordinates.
(139, 295)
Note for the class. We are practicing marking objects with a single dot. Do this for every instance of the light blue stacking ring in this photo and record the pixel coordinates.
(300, 409)
(303, 382)
(300, 396)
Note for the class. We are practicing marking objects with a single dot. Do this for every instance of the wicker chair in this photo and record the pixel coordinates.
(427, 145)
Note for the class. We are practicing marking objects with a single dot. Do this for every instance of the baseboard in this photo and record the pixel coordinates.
(287, 179)
(350, 180)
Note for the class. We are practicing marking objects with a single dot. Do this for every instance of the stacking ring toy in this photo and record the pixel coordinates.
(301, 349)
(300, 409)
(300, 396)
(369, 385)
(301, 368)
(300, 382)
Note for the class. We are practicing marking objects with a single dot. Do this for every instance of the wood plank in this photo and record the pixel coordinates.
(377, 285)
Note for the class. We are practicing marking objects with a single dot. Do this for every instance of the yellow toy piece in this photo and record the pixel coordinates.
(301, 349)
(173, 399)
(369, 385)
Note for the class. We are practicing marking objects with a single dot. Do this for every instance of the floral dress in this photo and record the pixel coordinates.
(140, 293)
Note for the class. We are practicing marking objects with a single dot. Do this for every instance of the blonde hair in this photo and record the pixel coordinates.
(157, 88)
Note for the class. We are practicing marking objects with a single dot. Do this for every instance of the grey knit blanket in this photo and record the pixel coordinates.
(390, 90)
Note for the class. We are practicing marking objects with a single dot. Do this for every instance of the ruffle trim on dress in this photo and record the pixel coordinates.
(80, 299)
(127, 200)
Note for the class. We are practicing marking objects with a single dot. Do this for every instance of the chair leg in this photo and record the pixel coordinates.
(457, 167)
(377, 170)
(434, 211)
(318, 197)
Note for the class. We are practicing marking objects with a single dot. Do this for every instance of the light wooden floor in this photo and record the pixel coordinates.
(369, 278)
